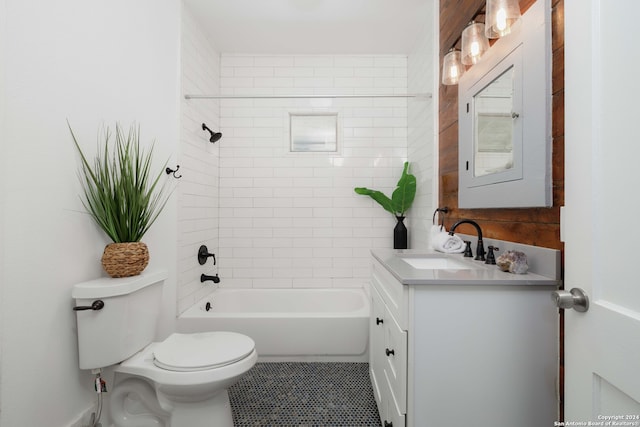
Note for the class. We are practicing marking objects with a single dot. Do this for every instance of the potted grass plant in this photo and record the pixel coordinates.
(398, 204)
(123, 194)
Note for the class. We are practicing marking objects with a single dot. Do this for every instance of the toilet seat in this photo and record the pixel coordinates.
(201, 351)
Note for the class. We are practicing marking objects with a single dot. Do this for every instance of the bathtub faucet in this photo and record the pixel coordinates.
(204, 278)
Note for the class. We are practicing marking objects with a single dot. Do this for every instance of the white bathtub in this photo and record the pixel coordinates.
(289, 324)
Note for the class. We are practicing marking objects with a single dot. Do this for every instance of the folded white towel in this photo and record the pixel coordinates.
(435, 230)
(442, 241)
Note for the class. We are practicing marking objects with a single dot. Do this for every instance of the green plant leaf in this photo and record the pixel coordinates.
(405, 191)
(120, 193)
(401, 198)
(378, 196)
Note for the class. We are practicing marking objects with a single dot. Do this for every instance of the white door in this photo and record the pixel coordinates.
(601, 221)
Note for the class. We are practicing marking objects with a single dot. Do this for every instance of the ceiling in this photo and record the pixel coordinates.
(313, 26)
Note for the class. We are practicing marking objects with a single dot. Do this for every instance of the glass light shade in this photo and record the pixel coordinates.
(500, 17)
(452, 68)
(474, 43)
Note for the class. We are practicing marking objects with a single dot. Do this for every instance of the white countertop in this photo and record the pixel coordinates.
(479, 274)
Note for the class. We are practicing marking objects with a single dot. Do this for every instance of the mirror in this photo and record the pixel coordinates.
(493, 130)
(504, 119)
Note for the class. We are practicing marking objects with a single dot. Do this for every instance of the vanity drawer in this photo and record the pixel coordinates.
(395, 364)
(394, 294)
(394, 416)
(377, 383)
(377, 342)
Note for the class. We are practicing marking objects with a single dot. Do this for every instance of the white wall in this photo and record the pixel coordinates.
(98, 62)
(3, 40)
(423, 78)
(90, 63)
(293, 220)
(199, 160)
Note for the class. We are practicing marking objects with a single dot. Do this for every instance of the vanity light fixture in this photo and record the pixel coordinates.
(474, 43)
(500, 17)
(452, 68)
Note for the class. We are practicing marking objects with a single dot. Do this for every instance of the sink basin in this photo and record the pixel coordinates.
(437, 263)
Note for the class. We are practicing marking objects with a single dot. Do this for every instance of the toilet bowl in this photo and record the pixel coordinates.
(181, 381)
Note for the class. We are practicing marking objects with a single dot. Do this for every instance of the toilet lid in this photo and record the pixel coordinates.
(200, 351)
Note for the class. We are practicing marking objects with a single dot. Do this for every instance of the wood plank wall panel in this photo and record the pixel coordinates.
(532, 226)
(538, 226)
(557, 45)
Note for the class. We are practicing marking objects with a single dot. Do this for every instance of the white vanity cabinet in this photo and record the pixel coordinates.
(388, 347)
(388, 365)
(456, 355)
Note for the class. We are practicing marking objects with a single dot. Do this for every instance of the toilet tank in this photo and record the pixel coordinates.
(126, 323)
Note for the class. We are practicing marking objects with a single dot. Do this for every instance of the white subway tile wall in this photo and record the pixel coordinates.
(198, 188)
(281, 219)
(293, 219)
(423, 77)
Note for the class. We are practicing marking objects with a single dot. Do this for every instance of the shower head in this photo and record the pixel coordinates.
(215, 136)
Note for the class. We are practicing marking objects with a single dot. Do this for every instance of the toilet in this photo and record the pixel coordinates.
(181, 381)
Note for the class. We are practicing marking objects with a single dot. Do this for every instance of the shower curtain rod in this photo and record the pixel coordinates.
(407, 95)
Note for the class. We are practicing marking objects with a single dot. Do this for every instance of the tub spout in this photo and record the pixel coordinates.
(204, 278)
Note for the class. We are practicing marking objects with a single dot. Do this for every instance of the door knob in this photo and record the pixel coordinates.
(575, 298)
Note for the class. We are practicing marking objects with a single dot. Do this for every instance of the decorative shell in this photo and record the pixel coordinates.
(513, 262)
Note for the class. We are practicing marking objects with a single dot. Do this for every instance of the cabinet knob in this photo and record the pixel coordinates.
(389, 352)
(379, 320)
(387, 424)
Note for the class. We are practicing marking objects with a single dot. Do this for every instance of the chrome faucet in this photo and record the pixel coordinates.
(480, 246)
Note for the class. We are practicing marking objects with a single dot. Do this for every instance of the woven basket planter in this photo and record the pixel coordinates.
(125, 259)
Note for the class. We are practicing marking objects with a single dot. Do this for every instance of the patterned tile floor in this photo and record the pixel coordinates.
(304, 395)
